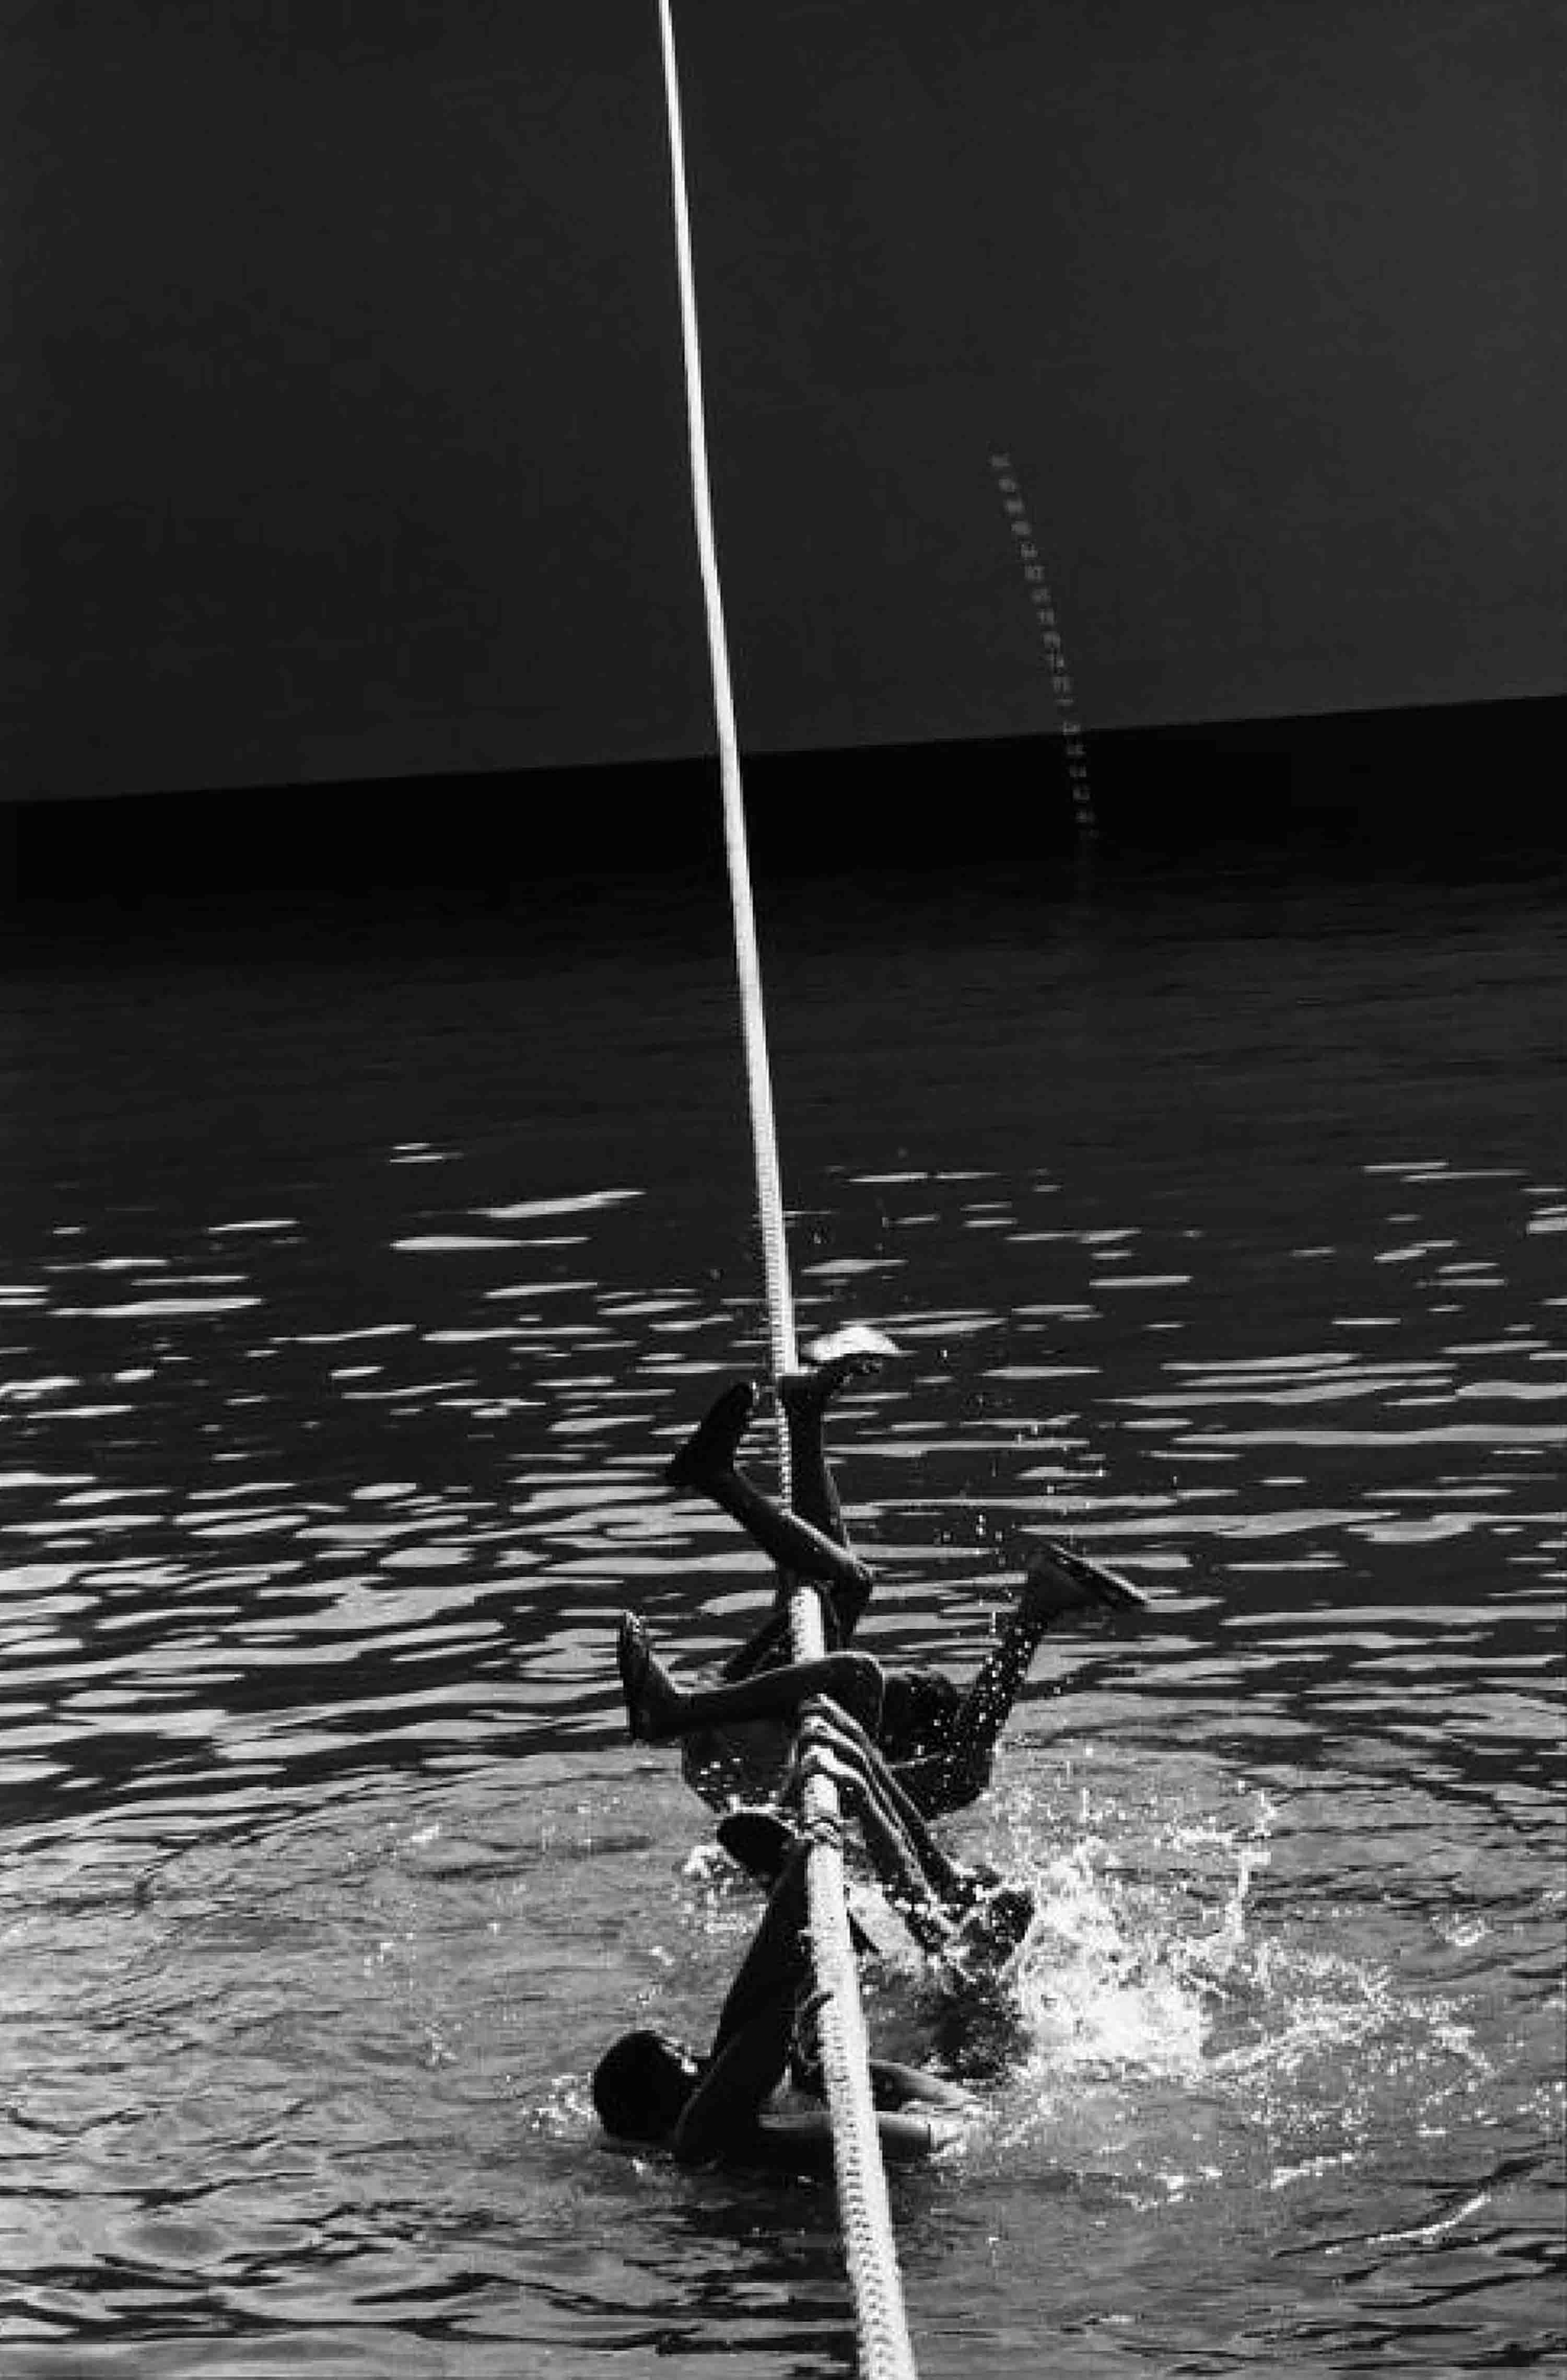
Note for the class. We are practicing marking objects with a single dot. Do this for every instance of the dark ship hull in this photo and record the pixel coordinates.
(349, 416)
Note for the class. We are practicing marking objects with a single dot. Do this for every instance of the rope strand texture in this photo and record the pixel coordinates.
(885, 2352)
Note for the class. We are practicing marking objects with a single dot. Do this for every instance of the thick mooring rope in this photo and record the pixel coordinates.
(885, 2352)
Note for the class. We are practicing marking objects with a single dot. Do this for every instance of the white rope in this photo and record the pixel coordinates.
(885, 2352)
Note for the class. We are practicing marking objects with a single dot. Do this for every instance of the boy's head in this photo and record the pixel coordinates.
(642, 2085)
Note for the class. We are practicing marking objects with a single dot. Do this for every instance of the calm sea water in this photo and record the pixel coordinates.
(354, 1291)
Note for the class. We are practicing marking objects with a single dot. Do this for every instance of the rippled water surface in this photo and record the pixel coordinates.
(352, 1296)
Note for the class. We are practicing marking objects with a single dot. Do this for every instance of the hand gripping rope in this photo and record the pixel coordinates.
(885, 2352)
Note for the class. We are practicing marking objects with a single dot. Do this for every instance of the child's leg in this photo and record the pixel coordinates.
(657, 1710)
(813, 1492)
(892, 1855)
(849, 1354)
(778, 1960)
(993, 1693)
(1056, 1582)
(812, 1541)
(707, 1465)
(711, 1450)
(792, 1543)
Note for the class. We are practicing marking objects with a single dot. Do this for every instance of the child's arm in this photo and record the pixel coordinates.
(905, 2139)
(895, 2087)
(1057, 1583)
(930, 1891)
(724, 2114)
(750, 2048)
(876, 1783)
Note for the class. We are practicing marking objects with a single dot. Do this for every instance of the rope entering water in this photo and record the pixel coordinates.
(885, 2352)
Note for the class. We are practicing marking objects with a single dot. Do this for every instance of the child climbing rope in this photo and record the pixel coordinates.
(970, 1921)
(939, 1740)
(651, 2088)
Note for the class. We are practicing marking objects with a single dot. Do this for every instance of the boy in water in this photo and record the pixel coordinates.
(971, 1922)
(653, 2089)
(940, 1741)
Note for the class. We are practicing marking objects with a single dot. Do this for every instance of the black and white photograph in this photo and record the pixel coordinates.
(784, 1191)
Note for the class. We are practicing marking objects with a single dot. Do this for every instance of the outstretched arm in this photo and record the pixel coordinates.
(970, 1916)
(750, 2054)
(930, 1891)
(945, 1876)
(750, 2048)
(893, 2085)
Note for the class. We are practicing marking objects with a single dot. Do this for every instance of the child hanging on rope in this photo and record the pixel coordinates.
(967, 1917)
(971, 1922)
(653, 2089)
(940, 1741)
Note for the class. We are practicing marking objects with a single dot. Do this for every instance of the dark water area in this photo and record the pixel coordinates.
(359, 1277)
(1458, 793)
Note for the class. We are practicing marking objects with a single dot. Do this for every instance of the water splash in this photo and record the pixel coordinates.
(1138, 1941)
(1100, 1984)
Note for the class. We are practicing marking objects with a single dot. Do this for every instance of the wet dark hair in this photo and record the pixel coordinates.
(641, 2085)
(918, 1710)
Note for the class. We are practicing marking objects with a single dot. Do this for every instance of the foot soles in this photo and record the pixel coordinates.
(1098, 1585)
(715, 1441)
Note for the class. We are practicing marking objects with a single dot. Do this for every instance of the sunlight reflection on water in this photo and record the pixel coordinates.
(334, 1444)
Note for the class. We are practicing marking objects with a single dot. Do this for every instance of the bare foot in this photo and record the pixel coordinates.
(652, 1699)
(711, 1450)
(855, 1352)
(1058, 1581)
